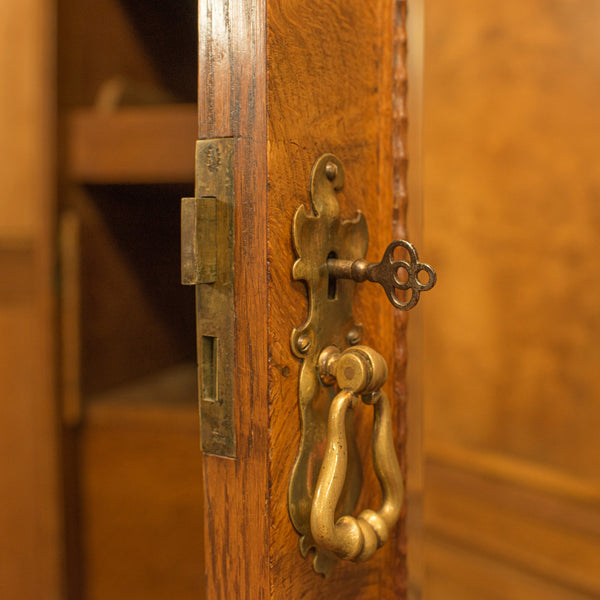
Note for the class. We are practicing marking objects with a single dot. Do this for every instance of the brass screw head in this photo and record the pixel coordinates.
(303, 343)
(353, 337)
(331, 170)
(327, 361)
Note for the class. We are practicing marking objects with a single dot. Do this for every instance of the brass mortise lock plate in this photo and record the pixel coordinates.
(207, 263)
(331, 261)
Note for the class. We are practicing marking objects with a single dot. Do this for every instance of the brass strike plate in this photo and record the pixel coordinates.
(207, 263)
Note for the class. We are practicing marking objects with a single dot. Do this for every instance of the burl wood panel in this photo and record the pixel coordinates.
(512, 222)
(332, 79)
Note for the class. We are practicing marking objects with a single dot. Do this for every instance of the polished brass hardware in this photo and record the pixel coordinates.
(331, 260)
(329, 321)
(359, 371)
(207, 263)
(198, 240)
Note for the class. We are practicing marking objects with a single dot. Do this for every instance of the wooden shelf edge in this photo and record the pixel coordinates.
(142, 144)
(165, 399)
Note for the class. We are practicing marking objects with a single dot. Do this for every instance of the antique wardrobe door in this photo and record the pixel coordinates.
(282, 83)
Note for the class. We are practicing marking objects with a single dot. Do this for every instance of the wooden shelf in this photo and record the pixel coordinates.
(166, 399)
(143, 144)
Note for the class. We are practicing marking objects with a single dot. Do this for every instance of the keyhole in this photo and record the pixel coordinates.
(332, 284)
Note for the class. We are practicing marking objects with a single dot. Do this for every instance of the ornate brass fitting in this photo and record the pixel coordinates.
(358, 371)
(327, 477)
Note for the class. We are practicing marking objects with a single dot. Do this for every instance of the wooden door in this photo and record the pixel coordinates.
(289, 81)
(512, 504)
(98, 335)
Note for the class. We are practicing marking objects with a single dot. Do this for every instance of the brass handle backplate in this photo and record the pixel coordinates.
(327, 477)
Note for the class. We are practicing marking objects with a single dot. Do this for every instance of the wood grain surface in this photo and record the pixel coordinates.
(518, 515)
(330, 91)
(149, 47)
(320, 87)
(512, 217)
(231, 102)
(30, 519)
(149, 144)
(141, 501)
(132, 464)
(130, 243)
(512, 220)
(415, 365)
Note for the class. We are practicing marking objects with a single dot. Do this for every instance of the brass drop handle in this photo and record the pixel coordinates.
(359, 371)
(386, 273)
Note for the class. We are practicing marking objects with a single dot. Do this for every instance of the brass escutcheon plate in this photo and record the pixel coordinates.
(319, 234)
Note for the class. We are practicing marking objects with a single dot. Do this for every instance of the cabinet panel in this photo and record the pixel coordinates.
(511, 339)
